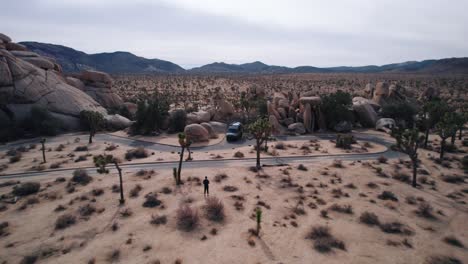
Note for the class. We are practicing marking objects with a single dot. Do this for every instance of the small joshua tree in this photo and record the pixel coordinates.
(409, 141)
(445, 129)
(93, 121)
(43, 150)
(188, 143)
(258, 216)
(261, 131)
(183, 142)
(101, 161)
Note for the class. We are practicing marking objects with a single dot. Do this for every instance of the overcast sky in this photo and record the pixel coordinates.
(291, 32)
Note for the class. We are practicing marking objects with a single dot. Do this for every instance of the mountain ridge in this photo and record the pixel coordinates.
(117, 62)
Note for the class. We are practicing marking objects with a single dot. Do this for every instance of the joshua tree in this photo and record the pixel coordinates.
(459, 121)
(93, 121)
(430, 115)
(101, 161)
(261, 130)
(409, 141)
(258, 216)
(445, 129)
(43, 140)
(188, 142)
(183, 142)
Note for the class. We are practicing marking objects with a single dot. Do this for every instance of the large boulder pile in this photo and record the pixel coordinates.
(196, 133)
(28, 79)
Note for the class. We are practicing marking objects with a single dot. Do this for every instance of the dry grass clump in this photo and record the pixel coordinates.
(214, 209)
(395, 227)
(230, 188)
(97, 191)
(3, 227)
(151, 200)
(187, 218)
(337, 164)
(345, 209)
(126, 212)
(158, 219)
(382, 159)
(453, 178)
(369, 218)
(302, 167)
(387, 195)
(400, 176)
(26, 188)
(238, 154)
(452, 240)
(442, 259)
(324, 241)
(81, 176)
(135, 191)
(86, 210)
(114, 256)
(280, 145)
(111, 147)
(220, 176)
(65, 221)
(15, 157)
(425, 210)
(137, 153)
(81, 148)
(166, 190)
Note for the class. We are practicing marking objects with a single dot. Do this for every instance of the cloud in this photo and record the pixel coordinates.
(291, 33)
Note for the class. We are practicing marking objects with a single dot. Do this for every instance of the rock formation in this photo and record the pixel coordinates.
(196, 133)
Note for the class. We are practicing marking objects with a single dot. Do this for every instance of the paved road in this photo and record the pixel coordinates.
(207, 163)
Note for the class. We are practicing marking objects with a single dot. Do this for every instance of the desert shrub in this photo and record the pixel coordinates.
(111, 147)
(280, 145)
(113, 256)
(30, 259)
(187, 218)
(86, 210)
(238, 154)
(26, 188)
(166, 190)
(151, 113)
(55, 165)
(97, 191)
(65, 221)
(177, 121)
(135, 191)
(387, 195)
(336, 108)
(138, 153)
(464, 162)
(230, 188)
(41, 122)
(400, 176)
(369, 218)
(81, 158)
(302, 167)
(337, 164)
(425, 210)
(81, 176)
(345, 209)
(158, 220)
(220, 176)
(344, 141)
(440, 259)
(151, 200)
(382, 159)
(324, 240)
(126, 212)
(395, 228)
(451, 240)
(453, 178)
(253, 169)
(16, 157)
(403, 113)
(214, 209)
(81, 148)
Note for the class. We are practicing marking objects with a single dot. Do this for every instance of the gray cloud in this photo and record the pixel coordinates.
(291, 33)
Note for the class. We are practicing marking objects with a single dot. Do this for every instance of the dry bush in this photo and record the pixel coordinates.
(230, 188)
(114, 256)
(400, 176)
(135, 191)
(238, 154)
(111, 147)
(86, 210)
(15, 157)
(395, 227)
(440, 259)
(220, 176)
(387, 195)
(81, 176)
(151, 200)
(166, 190)
(187, 218)
(453, 178)
(81, 148)
(452, 240)
(126, 212)
(97, 191)
(337, 164)
(253, 169)
(26, 188)
(345, 209)
(382, 159)
(425, 210)
(65, 221)
(214, 209)
(369, 218)
(280, 145)
(302, 167)
(324, 241)
(137, 153)
(158, 220)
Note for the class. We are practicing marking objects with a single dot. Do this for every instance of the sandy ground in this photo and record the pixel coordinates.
(69, 157)
(278, 191)
(169, 139)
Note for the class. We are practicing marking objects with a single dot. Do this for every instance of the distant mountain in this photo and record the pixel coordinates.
(116, 62)
(124, 62)
(452, 65)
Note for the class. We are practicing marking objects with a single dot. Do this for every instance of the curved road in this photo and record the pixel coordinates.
(205, 163)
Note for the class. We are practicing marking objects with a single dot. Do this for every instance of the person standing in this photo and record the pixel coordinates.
(206, 184)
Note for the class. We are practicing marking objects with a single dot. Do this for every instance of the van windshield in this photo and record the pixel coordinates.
(233, 129)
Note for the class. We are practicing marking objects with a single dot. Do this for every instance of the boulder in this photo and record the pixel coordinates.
(5, 75)
(117, 122)
(94, 78)
(429, 93)
(210, 130)
(4, 38)
(308, 118)
(11, 46)
(366, 114)
(312, 100)
(196, 133)
(282, 113)
(343, 127)
(364, 100)
(77, 83)
(218, 127)
(297, 128)
(282, 103)
(24, 54)
(276, 127)
(105, 96)
(40, 62)
(287, 121)
(369, 90)
(385, 124)
(381, 92)
(202, 116)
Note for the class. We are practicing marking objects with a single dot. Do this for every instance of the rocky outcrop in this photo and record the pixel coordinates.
(218, 127)
(343, 127)
(198, 117)
(297, 128)
(117, 122)
(381, 92)
(312, 100)
(196, 133)
(385, 124)
(366, 114)
(275, 125)
(210, 130)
